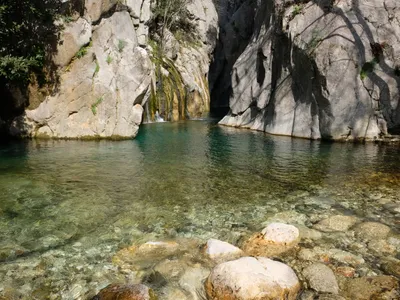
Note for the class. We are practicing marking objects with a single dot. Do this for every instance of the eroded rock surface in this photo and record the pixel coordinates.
(319, 69)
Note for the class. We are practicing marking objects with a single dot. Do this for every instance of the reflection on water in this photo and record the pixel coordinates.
(192, 179)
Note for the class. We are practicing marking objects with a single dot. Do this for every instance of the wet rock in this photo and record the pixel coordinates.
(336, 223)
(148, 250)
(381, 247)
(275, 239)
(372, 231)
(391, 267)
(346, 271)
(330, 297)
(321, 278)
(393, 207)
(125, 292)
(171, 293)
(221, 251)
(376, 287)
(158, 248)
(308, 233)
(252, 278)
(192, 281)
(287, 217)
(171, 268)
(318, 254)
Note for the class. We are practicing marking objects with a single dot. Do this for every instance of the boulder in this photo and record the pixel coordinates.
(274, 239)
(336, 223)
(125, 292)
(321, 278)
(372, 231)
(250, 278)
(221, 251)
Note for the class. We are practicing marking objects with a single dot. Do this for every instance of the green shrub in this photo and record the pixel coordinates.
(82, 52)
(121, 45)
(109, 59)
(367, 68)
(97, 103)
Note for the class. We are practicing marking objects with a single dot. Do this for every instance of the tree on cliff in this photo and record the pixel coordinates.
(27, 33)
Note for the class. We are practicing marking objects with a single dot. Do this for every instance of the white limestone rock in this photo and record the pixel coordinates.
(252, 278)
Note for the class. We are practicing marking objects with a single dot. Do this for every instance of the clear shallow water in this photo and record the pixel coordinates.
(67, 206)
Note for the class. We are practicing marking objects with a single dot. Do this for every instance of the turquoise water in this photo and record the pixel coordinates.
(67, 206)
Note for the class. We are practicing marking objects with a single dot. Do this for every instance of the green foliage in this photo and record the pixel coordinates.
(97, 103)
(172, 15)
(121, 45)
(109, 59)
(97, 69)
(296, 10)
(27, 33)
(367, 68)
(83, 51)
(314, 41)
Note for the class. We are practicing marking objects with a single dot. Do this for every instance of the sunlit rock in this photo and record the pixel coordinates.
(221, 251)
(251, 278)
(275, 239)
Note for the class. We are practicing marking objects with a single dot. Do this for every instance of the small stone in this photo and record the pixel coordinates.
(309, 233)
(125, 292)
(336, 223)
(275, 239)
(375, 287)
(381, 247)
(158, 248)
(321, 278)
(318, 254)
(221, 251)
(392, 267)
(346, 271)
(250, 278)
(372, 231)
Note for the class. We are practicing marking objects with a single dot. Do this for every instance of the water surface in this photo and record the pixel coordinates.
(67, 206)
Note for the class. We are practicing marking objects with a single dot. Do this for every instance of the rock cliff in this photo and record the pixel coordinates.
(319, 69)
(107, 68)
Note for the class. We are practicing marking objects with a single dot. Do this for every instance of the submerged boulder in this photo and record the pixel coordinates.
(374, 287)
(125, 292)
(372, 231)
(336, 223)
(250, 278)
(321, 278)
(274, 239)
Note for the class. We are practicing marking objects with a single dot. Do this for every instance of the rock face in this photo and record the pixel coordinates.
(275, 239)
(126, 292)
(107, 73)
(252, 278)
(310, 72)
